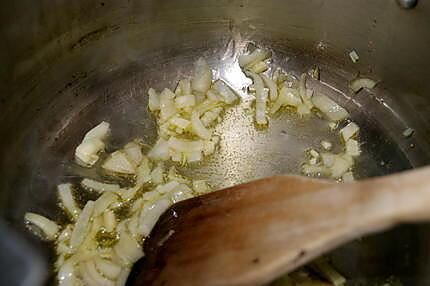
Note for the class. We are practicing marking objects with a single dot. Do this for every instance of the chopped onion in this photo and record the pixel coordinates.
(134, 152)
(201, 187)
(184, 145)
(67, 200)
(86, 152)
(194, 156)
(174, 176)
(119, 163)
(157, 176)
(100, 132)
(257, 55)
(184, 87)
(261, 98)
(287, 97)
(303, 109)
(185, 101)
(198, 128)
(210, 145)
(167, 105)
(329, 108)
(143, 172)
(109, 220)
(354, 56)
(166, 188)
(349, 131)
(150, 214)
(127, 249)
(210, 116)
(359, 83)
(225, 91)
(182, 192)
(315, 170)
(305, 94)
(408, 132)
(122, 278)
(160, 151)
(100, 187)
(326, 145)
(202, 76)
(91, 276)
(47, 226)
(82, 225)
(340, 166)
(352, 148)
(66, 274)
(103, 202)
(348, 177)
(271, 85)
(154, 100)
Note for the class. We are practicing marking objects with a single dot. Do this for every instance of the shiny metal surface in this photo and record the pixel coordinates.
(66, 65)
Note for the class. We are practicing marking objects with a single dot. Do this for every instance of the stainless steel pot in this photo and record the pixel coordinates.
(66, 65)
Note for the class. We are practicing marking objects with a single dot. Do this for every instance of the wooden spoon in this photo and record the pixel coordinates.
(251, 234)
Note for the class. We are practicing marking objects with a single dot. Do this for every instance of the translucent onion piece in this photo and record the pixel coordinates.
(303, 110)
(127, 249)
(108, 268)
(109, 220)
(47, 226)
(150, 214)
(256, 56)
(182, 192)
(271, 85)
(354, 56)
(348, 177)
(160, 151)
(90, 275)
(332, 110)
(260, 96)
(86, 152)
(154, 100)
(65, 194)
(326, 145)
(352, 148)
(184, 145)
(184, 87)
(287, 97)
(195, 156)
(82, 225)
(118, 162)
(167, 105)
(340, 166)
(198, 128)
(103, 202)
(100, 132)
(184, 101)
(359, 83)
(143, 172)
(225, 91)
(179, 122)
(100, 187)
(211, 116)
(157, 175)
(166, 188)
(201, 187)
(349, 131)
(65, 233)
(202, 76)
(315, 170)
(66, 274)
(134, 152)
(210, 145)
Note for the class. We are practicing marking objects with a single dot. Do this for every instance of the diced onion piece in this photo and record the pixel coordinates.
(67, 200)
(182, 192)
(354, 56)
(198, 128)
(349, 131)
(315, 170)
(154, 100)
(210, 116)
(352, 148)
(82, 225)
(210, 145)
(183, 101)
(332, 126)
(179, 122)
(184, 145)
(348, 177)
(332, 110)
(287, 97)
(259, 67)
(134, 152)
(100, 187)
(109, 220)
(194, 156)
(328, 159)
(326, 145)
(143, 172)
(100, 132)
(256, 56)
(260, 96)
(328, 272)
(408, 132)
(127, 249)
(86, 152)
(47, 226)
(167, 105)
(184, 87)
(107, 268)
(225, 91)
(359, 83)
(174, 176)
(157, 175)
(103, 202)
(150, 214)
(313, 153)
(303, 110)
(118, 162)
(271, 85)
(166, 188)
(213, 95)
(202, 76)
(201, 187)
(305, 94)
(340, 166)
(160, 151)
(66, 273)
